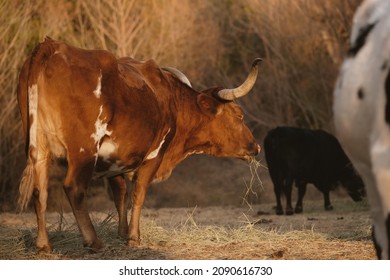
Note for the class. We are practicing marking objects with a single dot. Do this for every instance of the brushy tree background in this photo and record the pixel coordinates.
(214, 42)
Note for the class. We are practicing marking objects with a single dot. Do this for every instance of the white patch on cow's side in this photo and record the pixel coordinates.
(107, 148)
(98, 90)
(100, 128)
(154, 153)
(100, 131)
(33, 111)
(82, 150)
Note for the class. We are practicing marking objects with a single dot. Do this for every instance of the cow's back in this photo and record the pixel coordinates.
(289, 148)
(84, 91)
(310, 155)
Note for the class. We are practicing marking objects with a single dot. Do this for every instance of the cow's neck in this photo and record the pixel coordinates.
(190, 121)
(185, 142)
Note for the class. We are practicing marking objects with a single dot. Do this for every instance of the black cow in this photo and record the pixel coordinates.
(308, 156)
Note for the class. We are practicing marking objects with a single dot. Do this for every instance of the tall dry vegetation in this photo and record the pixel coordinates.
(213, 42)
(303, 43)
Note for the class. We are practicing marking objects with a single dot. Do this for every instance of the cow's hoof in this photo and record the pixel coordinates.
(94, 245)
(289, 212)
(123, 233)
(279, 212)
(329, 208)
(298, 210)
(133, 242)
(46, 249)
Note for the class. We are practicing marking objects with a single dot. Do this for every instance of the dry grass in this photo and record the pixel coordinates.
(254, 186)
(302, 43)
(205, 233)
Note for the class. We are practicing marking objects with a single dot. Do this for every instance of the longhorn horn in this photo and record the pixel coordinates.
(247, 85)
(178, 74)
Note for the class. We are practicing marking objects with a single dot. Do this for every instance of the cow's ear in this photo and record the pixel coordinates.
(208, 104)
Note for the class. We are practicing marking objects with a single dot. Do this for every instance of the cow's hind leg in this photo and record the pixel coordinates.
(119, 189)
(75, 187)
(301, 193)
(288, 190)
(278, 187)
(278, 193)
(40, 202)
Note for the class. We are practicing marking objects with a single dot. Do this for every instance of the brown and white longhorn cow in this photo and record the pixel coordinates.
(109, 116)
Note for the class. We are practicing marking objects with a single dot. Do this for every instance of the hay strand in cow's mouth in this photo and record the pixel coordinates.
(254, 182)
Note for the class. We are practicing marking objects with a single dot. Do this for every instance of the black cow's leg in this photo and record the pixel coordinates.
(119, 190)
(288, 190)
(278, 193)
(301, 193)
(327, 205)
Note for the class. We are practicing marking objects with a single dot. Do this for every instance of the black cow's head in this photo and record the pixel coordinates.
(353, 183)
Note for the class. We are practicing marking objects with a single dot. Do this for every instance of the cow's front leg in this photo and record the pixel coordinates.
(327, 205)
(119, 189)
(144, 177)
(137, 198)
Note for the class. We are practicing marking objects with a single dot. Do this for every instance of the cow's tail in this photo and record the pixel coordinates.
(38, 58)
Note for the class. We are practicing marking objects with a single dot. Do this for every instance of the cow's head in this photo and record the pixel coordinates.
(223, 130)
(353, 183)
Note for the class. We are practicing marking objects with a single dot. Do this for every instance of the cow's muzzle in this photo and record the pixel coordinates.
(255, 149)
(252, 150)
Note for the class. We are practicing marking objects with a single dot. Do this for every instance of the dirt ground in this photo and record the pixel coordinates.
(205, 233)
(209, 209)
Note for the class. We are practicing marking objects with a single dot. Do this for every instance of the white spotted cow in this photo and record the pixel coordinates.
(362, 111)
